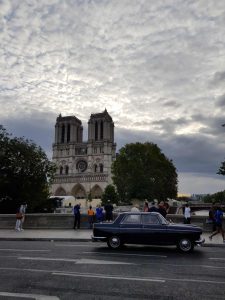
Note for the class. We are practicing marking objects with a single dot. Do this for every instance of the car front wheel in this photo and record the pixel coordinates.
(114, 242)
(185, 245)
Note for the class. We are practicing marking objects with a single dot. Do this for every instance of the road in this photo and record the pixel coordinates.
(66, 270)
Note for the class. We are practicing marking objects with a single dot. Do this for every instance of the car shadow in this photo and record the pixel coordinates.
(152, 250)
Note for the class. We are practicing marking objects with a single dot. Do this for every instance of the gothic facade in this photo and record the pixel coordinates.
(83, 168)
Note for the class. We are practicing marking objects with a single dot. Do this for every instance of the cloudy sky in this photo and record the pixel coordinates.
(158, 67)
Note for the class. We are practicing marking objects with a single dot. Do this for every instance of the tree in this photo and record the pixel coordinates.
(217, 198)
(110, 194)
(142, 171)
(222, 169)
(25, 174)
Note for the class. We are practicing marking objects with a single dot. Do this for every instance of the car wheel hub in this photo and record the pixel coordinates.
(185, 244)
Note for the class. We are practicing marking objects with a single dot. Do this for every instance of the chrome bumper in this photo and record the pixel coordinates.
(98, 238)
(200, 242)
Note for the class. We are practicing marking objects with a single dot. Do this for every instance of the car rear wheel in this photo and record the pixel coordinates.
(114, 242)
(185, 245)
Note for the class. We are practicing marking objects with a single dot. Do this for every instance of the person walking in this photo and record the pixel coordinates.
(76, 212)
(187, 214)
(153, 208)
(19, 217)
(161, 209)
(99, 213)
(23, 208)
(211, 218)
(91, 215)
(146, 207)
(108, 212)
(219, 223)
(135, 208)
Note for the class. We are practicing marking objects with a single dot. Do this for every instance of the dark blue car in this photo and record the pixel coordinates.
(147, 229)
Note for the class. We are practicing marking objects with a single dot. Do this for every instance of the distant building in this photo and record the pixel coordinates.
(198, 197)
(83, 168)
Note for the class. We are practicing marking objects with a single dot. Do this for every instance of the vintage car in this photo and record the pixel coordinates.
(147, 229)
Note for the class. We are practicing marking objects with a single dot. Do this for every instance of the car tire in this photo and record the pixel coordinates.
(185, 245)
(114, 242)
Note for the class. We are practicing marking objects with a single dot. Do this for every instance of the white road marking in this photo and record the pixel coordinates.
(156, 279)
(24, 250)
(217, 258)
(126, 254)
(78, 261)
(32, 296)
(103, 276)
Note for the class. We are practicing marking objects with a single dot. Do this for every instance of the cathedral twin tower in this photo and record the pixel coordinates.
(83, 168)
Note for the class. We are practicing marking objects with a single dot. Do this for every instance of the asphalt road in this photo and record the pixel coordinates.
(66, 270)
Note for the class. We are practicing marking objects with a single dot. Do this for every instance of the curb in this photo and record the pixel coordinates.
(46, 239)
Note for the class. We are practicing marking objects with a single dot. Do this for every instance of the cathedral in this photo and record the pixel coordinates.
(83, 167)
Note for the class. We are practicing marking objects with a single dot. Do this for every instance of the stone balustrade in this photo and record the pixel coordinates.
(65, 221)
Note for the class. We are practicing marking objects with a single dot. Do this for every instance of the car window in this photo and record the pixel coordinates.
(150, 219)
(132, 219)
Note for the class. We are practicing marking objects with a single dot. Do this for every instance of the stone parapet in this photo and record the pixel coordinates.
(64, 221)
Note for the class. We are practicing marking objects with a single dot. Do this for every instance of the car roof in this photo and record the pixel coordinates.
(138, 213)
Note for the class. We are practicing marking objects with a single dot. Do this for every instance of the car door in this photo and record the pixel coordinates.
(154, 232)
(130, 228)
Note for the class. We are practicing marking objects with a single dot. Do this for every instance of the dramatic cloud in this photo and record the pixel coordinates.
(156, 66)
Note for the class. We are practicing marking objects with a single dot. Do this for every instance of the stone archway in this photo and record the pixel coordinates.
(78, 191)
(60, 192)
(96, 192)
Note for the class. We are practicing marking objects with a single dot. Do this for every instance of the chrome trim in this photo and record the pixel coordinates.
(200, 242)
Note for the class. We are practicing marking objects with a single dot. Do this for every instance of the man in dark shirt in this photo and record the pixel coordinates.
(161, 209)
(108, 211)
(76, 211)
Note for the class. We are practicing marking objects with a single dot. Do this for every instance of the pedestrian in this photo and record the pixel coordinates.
(91, 215)
(161, 209)
(108, 211)
(135, 208)
(99, 213)
(166, 206)
(153, 208)
(76, 212)
(146, 207)
(211, 218)
(23, 208)
(19, 217)
(219, 223)
(187, 214)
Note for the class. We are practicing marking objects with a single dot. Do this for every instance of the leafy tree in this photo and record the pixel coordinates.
(222, 169)
(110, 194)
(218, 197)
(25, 174)
(142, 171)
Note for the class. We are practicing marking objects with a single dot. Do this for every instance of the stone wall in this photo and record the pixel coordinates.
(65, 221)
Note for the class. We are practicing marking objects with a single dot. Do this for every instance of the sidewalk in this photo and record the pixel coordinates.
(78, 235)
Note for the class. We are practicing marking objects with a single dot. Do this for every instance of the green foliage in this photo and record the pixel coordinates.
(215, 198)
(222, 169)
(25, 173)
(142, 171)
(110, 194)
